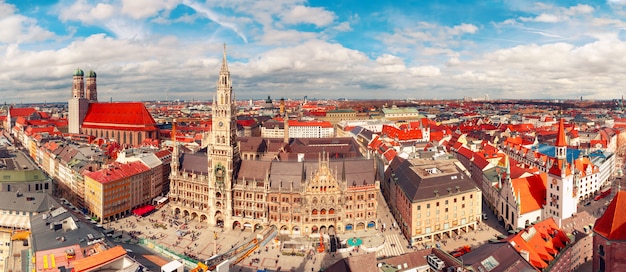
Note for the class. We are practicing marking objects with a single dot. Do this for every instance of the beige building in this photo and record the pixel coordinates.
(115, 191)
(431, 198)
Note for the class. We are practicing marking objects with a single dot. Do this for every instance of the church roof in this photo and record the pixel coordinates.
(132, 116)
(531, 192)
(24, 112)
(612, 224)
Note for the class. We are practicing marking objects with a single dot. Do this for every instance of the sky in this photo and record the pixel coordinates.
(172, 49)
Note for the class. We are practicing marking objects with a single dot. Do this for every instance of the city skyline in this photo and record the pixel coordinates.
(171, 49)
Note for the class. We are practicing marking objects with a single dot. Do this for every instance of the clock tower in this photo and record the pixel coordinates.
(223, 151)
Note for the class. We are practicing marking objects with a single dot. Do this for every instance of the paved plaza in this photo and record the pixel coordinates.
(198, 241)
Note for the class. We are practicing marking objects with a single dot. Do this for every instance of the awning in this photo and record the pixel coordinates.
(143, 210)
(14, 221)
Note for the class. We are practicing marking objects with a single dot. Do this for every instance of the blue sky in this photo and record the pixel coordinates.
(171, 49)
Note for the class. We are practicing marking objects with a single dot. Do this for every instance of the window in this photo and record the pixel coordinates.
(418, 207)
(428, 206)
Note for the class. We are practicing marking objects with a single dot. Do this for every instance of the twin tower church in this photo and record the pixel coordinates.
(129, 123)
(317, 185)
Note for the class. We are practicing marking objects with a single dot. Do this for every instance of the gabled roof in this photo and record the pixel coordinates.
(25, 112)
(612, 224)
(131, 116)
(531, 192)
(117, 171)
(542, 241)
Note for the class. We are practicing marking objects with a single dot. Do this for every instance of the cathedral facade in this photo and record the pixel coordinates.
(304, 196)
(129, 123)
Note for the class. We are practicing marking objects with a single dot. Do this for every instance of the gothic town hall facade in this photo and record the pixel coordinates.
(315, 193)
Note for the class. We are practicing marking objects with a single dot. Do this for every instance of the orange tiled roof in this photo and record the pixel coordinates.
(131, 116)
(531, 191)
(612, 224)
(541, 241)
(96, 260)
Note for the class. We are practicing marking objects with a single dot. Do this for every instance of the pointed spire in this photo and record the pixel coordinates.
(560, 137)
(224, 63)
(508, 168)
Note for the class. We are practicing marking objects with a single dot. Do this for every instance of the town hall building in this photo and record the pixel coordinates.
(290, 189)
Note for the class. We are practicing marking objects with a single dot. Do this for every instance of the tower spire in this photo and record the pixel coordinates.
(561, 145)
(224, 63)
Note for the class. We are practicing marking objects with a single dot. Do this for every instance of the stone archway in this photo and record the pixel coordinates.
(258, 226)
(185, 213)
(237, 225)
(314, 229)
(331, 230)
(371, 225)
(323, 229)
(194, 215)
(177, 211)
(247, 226)
(349, 227)
(203, 218)
(360, 226)
(284, 229)
(295, 230)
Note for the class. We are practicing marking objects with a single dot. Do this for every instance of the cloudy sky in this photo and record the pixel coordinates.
(171, 49)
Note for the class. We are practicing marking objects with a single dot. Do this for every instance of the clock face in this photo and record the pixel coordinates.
(221, 124)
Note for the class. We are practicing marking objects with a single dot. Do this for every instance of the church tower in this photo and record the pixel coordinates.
(561, 190)
(223, 152)
(78, 104)
(90, 92)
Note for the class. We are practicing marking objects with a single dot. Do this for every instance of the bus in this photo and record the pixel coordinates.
(603, 193)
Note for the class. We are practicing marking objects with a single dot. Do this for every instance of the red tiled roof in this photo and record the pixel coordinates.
(15, 112)
(402, 134)
(44, 115)
(131, 116)
(118, 171)
(97, 260)
(560, 138)
(612, 224)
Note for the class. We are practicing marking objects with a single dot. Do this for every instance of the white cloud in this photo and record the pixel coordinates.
(215, 17)
(16, 28)
(308, 15)
(425, 71)
(140, 9)
(285, 37)
(558, 14)
(84, 12)
(343, 27)
(462, 29)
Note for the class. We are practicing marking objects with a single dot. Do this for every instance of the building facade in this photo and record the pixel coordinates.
(78, 104)
(609, 246)
(431, 198)
(327, 195)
